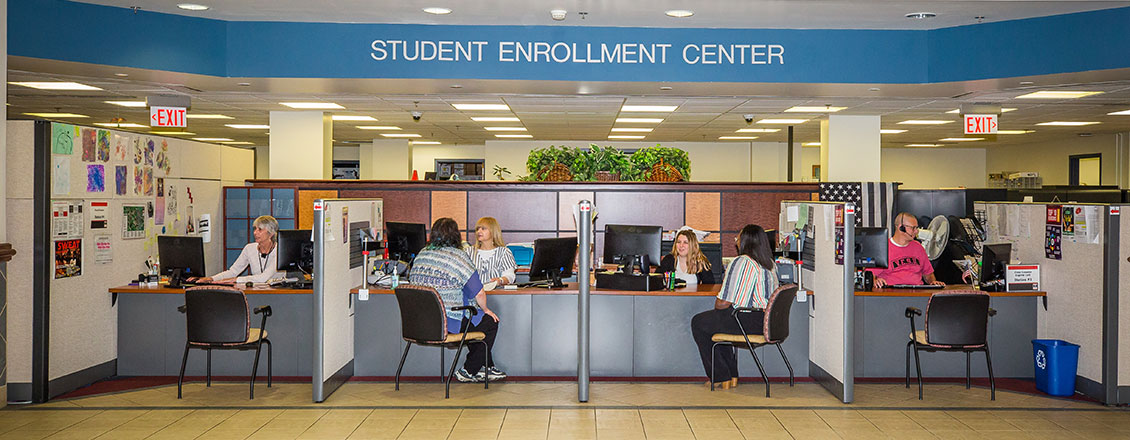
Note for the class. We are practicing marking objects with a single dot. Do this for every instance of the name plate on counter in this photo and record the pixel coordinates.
(1022, 277)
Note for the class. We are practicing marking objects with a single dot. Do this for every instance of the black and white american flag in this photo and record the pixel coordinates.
(874, 201)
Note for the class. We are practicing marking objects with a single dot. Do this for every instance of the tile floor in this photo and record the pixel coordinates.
(550, 411)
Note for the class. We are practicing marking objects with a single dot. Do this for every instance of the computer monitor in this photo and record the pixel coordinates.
(553, 260)
(405, 240)
(626, 240)
(871, 247)
(295, 251)
(181, 257)
(994, 257)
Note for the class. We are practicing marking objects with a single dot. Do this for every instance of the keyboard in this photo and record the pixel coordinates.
(913, 286)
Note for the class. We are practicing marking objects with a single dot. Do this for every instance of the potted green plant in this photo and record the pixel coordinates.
(662, 164)
(608, 164)
(552, 163)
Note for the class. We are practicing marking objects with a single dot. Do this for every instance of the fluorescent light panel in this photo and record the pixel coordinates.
(759, 130)
(354, 118)
(782, 121)
(625, 136)
(1067, 123)
(400, 135)
(249, 126)
(484, 107)
(923, 145)
(924, 122)
(813, 109)
(1015, 131)
(213, 139)
(810, 144)
(1057, 94)
(631, 130)
(127, 103)
(505, 128)
(639, 120)
(55, 85)
(519, 136)
(236, 143)
(313, 105)
(379, 127)
(495, 119)
(649, 108)
(891, 131)
(426, 142)
(737, 138)
(961, 139)
(1120, 113)
(173, 133)
(57, 115)
(119, 125)
(957, 111)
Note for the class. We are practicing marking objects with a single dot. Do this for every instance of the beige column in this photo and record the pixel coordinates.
(850, 149)
(386, 159)
(262, 162)
(301, 145)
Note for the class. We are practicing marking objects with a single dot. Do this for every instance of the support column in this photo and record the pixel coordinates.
(850, 149)
(3, 211)
(262, 162)
(301, 145)
(386, 159)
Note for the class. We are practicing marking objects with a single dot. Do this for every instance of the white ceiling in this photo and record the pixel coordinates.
(746, 14)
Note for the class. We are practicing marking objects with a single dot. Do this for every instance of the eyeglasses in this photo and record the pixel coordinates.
(910, 226)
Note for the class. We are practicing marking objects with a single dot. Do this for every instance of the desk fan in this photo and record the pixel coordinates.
(935, 237)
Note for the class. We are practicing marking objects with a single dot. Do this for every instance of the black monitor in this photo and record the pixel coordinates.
(295, 251)
(994, 257)
(628, 240)
(871, 247)
(553, 260)
(181, 257)
(405, 240)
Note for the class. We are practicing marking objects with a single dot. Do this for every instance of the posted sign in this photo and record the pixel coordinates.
(980, 124)
(1022, 277)
(167, 117)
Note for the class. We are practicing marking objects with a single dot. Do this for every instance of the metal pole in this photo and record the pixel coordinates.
(790, 179)
(584, 234)
(849, 302)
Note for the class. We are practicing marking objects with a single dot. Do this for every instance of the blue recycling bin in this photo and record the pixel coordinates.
(1056, 364)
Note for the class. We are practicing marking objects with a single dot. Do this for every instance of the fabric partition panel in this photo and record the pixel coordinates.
(333, 278)
(1074, 284)
(1124, 306)
(829, 311)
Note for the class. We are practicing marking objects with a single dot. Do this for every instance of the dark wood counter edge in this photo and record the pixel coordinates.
(442, 185)
(896, 293)
(571, 289)
(251, 291)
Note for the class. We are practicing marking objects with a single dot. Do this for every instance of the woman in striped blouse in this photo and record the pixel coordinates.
(748, 282)
(492, 258)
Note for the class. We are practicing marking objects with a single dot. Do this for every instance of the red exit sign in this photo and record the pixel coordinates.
(980, 124)
(167, 117)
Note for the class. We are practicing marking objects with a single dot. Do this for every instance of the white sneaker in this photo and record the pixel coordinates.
(463, 376)
(493, 372)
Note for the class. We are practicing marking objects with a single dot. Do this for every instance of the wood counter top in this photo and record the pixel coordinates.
(571, 289)
(925, 293)
(257, 290)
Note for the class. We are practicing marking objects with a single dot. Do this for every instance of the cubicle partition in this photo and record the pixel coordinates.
(1123, 301)
(1081, 284)
(337, 269)
(829, 290)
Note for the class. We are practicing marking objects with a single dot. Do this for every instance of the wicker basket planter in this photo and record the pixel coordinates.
(662, 172)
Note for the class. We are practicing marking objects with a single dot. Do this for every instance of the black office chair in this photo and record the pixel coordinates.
(955, 321)
(776, 329)
(424, 322)
(217, 318)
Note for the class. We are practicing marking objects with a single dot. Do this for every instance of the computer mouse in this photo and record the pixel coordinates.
(249, 284)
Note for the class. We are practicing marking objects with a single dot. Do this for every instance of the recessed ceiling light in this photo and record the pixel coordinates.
(814, 109)
(679, 13)
(505, 128)
(312, 105)
(173, 133)
(120, 125)
(456, 86)
(1015, 131)
(192, 7)
(957, 111)
(923, 145)
(57, 115)
(495, 119)
(737, 138)
(127, 103)
(924, 122)
(665, 88)
(437, 11)
(55, 85)
(921, 15)
(519, 136)
(400, 135)
(639, 120)
(480, 106)
(649, 108)
(206, 116)
(873, 89)
(123, 75)
(236, 143)
(891, 131)
(1057, 94)
(782, 121)
(1120, 113)
(243, 84)
(961, 139)
(379, 127)
(631, 130)
(249, 126)
(354, 118)
(758, 130)
(810, 144)
(626, 137)
(1067, 123)
(425, 142)
(558, 14)
(213, 139)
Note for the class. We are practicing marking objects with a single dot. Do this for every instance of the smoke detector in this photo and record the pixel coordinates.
(558, 14)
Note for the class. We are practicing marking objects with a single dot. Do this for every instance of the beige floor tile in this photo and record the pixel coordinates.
(620, 434)
(522, 434)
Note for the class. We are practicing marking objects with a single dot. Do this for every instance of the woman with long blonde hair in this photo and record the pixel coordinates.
(492, 258)
(687, 261)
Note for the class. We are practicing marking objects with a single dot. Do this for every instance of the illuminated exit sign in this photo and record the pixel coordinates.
(980, 124)
(167, 117)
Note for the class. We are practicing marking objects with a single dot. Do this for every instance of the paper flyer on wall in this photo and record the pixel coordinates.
(68, 258)
(133, 222)
(205, 227)
(99, 215)
(1088, 224)
(66, 219)
(1053, 242)
(60, 175)
(103, 249)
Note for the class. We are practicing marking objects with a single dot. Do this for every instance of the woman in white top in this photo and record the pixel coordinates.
(260, 256)
(491, 257)
(687, 261)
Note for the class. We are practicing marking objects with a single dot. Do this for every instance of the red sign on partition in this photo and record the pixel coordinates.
(980, 124)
